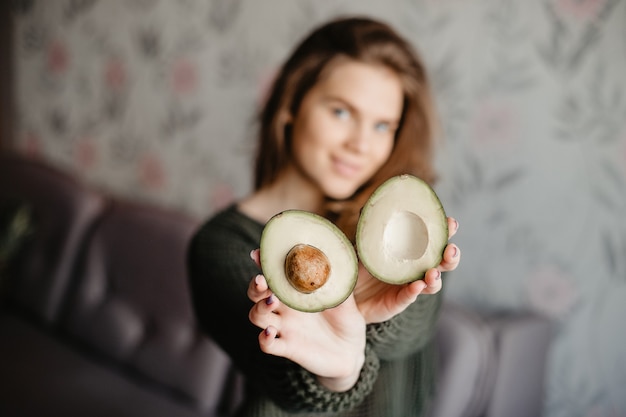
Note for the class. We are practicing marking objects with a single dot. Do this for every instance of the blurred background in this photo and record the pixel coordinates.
(156, 100)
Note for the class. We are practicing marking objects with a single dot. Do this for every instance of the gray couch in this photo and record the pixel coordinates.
(96, 320)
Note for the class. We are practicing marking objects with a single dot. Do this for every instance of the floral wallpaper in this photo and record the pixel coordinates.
(155, 100)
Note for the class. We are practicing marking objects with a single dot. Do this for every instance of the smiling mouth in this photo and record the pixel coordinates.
(345, 169)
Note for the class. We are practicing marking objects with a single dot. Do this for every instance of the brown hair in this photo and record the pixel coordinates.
(368, 41)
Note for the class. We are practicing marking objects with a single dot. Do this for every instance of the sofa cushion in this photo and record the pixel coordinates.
(132, 304)
(42, 376)
(63, 213)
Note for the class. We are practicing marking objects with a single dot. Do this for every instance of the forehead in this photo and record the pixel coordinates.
(369, 88)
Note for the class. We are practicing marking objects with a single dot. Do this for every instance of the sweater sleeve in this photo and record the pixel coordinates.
(408, 331)
(220, 270)
(304, 393)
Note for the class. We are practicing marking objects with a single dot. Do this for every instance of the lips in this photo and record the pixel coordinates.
(346, 168)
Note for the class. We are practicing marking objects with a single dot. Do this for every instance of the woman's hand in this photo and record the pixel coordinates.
(329, 344)
(379, 301)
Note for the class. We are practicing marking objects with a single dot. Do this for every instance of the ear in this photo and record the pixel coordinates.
(285, 117)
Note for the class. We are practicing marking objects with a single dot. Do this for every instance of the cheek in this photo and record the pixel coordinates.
(310, 139)
(382, 152)
(307, 150)
(304, 143)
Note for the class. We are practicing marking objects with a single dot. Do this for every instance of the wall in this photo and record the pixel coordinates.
(156, 99)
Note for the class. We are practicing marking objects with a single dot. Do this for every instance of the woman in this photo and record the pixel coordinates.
(349, 109)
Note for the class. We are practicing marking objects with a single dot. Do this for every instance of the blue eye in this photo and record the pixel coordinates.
(341, 113)
(382, 127)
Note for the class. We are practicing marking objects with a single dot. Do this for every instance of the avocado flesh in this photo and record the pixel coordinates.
(402, 231)
(290, 228)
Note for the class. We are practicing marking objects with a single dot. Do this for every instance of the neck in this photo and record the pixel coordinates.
(291, 191)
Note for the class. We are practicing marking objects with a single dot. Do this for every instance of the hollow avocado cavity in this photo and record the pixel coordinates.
(405, 236)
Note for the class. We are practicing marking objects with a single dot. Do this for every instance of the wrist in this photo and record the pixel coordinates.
(345, 382)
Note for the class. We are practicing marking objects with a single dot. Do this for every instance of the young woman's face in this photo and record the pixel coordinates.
(345, 127)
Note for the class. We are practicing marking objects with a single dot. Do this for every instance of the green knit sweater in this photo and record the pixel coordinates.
(397, 379)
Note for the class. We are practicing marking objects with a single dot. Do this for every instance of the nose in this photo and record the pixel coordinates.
(359, 139)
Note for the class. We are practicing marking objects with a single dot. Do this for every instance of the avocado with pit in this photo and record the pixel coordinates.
(308, 263)
(402, 230)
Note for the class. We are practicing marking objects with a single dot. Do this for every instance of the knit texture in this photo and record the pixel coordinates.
(397, 379)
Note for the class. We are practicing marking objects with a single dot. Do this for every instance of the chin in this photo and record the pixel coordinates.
(341, 193)
(336, 187)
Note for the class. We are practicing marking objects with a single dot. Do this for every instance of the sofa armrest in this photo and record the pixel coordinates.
(490, 365)
(522, 343)
(64, 211)
(466, 365)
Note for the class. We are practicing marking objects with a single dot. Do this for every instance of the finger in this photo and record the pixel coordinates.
(270, 343)
(262, 314)
(451, 258)
(408, 294)
(453, 226)
(432, 278)
(255, 255)
(258, 289)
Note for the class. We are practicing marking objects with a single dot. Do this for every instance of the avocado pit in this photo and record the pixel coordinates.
(307, 268)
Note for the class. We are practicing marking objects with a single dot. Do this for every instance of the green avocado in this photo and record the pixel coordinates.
(402, 230)
(308, 263)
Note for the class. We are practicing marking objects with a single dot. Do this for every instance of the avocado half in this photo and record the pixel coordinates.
(308, 262)
(402, 230)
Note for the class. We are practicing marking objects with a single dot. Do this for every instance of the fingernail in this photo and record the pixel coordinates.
(438, 276)
(267, 331)
(257, 279)
(456, 222)
(269, 300)
(456, 252)
(252, 254)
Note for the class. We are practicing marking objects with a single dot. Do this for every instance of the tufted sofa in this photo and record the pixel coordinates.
(96, 320)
